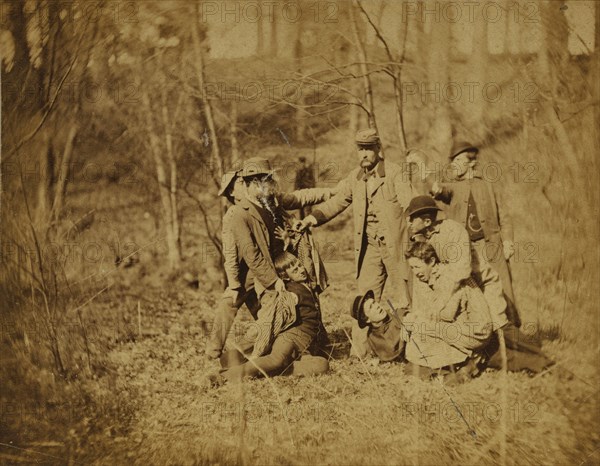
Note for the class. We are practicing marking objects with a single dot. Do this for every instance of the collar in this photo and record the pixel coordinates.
(245, 203)
(429, 232)
(471, 174)
(379, 169)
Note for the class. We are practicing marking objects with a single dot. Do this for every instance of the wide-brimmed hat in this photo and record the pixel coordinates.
(227, 181)
(367, 137)
(421, 204)
(256, 166)
(357, 311)
(462, 146)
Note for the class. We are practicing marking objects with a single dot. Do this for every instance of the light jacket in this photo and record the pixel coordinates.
(390, 198)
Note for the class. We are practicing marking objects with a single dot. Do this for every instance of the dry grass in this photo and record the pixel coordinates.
(147, 402)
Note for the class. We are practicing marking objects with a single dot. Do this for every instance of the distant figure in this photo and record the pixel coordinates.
(305, 179)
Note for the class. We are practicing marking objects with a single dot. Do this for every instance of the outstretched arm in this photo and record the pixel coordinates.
(336, 205)
(304, 197)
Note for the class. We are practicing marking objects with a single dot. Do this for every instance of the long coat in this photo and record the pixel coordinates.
(493, 216)
(253, 241)
(390, 197)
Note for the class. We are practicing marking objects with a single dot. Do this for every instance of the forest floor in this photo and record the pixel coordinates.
(359, 413)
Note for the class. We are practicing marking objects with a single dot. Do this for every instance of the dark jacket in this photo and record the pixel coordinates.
(494, 218)
(253, 239)
(309, 323)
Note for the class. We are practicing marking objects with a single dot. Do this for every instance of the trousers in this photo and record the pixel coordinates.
(224, 317)
(289, 354)
(378, 268)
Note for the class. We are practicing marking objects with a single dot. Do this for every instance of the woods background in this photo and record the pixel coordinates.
(118, 120)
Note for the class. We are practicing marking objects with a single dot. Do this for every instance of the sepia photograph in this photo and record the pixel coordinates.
(299, 232)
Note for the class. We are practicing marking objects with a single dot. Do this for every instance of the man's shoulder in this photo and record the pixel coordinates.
(300, 290)
(392, 166)
(448, 226)
(393, 172)
(353, 175)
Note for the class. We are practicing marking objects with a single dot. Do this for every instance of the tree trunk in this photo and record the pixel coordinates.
(63, 172)
(273, 49)
(45, 177)
(235, 152)
(206, 104)
(173, 252)
(364, 69)
(477, 71)
(300, 119)
(173, 172)
(440, 129)
(259, 37)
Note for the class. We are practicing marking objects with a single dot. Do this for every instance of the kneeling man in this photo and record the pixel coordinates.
(450, 331)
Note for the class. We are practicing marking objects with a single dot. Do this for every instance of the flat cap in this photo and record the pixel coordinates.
(462, 146)
(367, 136)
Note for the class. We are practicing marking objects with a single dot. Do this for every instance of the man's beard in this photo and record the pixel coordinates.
(266, 197)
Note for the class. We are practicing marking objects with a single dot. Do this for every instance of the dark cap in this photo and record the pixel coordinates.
(421, 204)
(367, 137)
(357, 311)
(256, 166)
(462, 146)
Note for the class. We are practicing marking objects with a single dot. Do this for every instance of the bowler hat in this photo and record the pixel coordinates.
(367, 137)
(357, 311)
(227, 181)
(462, 146)
(256, 166)
(421, 204)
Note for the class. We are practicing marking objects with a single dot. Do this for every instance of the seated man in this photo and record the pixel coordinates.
(450, 333)
(297, 347)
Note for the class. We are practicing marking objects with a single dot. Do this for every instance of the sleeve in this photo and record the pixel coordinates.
(404, 188)
(261, 268)
(458, 254)
(337, 204)
(303, 197)
(386, 341)
(230, 252)
(504, 217)
(451, 307)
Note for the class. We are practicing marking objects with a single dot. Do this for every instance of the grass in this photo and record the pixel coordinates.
(146, 401)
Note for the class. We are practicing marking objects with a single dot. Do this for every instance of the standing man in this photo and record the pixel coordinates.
(473, 202)
(379, 192)
(250, 242)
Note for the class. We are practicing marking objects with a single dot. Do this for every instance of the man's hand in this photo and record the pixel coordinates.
(234, 294)
(509, 249)
(283, 235)
(436, 189)
(308, 221)
(279, 285)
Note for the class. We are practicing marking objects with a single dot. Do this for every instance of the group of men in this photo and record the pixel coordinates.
(441, 256)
